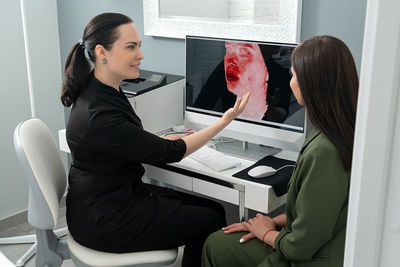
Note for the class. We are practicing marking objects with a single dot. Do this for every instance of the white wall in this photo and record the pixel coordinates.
(373, 227)
(254, 11)
(211, 9)
(14, 103)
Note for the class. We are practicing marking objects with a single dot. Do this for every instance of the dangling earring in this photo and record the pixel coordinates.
(104, 61)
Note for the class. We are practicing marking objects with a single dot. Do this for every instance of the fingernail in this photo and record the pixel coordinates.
(241, 240)
(225, 232)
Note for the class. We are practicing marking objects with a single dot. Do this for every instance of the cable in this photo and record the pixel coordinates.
(213, 146)
(223, 140)
(186, 132)
(171, 133)
(284, 167)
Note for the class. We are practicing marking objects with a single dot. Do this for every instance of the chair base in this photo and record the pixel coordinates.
(26, 239)
(4, 262)
(23, 239)
(51, 251)
(27, 255)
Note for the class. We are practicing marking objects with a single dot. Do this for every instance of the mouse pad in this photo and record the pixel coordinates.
(279, 181)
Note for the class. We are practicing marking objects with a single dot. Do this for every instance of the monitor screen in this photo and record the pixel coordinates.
(219, 70)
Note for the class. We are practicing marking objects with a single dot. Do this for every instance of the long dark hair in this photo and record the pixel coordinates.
(328, 82)
(101, 30)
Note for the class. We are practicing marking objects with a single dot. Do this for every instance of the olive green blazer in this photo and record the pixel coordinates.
(316, 209)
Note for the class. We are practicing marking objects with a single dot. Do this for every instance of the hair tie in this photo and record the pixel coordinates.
(81, 43)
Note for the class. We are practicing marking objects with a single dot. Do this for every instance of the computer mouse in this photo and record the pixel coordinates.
(261, 171)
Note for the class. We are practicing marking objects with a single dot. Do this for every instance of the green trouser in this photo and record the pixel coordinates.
(222, 250)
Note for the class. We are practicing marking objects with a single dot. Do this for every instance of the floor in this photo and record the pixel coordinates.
(14, 252)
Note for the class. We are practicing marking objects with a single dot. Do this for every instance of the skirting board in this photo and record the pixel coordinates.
(19, 218)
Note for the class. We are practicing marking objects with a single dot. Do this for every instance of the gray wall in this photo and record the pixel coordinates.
(341, 18)
(15, 103)
(160, 54)
(14, 107)
(344, 19)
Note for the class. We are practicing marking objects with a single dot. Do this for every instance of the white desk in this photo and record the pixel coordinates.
(193, 176)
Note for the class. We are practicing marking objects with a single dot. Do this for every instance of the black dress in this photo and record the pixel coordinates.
(108, 206)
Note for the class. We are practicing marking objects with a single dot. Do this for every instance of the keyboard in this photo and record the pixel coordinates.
(214, 159)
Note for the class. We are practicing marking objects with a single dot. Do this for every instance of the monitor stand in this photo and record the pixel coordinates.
(245, 144)
(230, 146)
(246, 150)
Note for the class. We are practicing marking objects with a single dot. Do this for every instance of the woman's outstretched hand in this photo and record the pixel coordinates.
(239, 106)
(196, 140)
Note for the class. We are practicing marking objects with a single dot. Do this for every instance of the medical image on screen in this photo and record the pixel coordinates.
(218, 71)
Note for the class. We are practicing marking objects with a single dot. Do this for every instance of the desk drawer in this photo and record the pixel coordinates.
(262, 199)
(216, 191)
(168, 177)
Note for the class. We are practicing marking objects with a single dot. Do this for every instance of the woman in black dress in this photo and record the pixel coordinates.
(108, 206)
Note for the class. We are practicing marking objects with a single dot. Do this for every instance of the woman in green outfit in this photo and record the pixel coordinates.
(312, 231)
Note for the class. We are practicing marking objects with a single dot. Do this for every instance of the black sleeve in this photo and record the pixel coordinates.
(113, 133)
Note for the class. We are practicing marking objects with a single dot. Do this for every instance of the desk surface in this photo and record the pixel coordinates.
(257, 196)
(247, 157)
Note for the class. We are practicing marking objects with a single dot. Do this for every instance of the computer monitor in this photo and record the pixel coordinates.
(218, 70)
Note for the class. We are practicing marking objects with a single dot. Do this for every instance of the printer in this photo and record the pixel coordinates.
(157, 99)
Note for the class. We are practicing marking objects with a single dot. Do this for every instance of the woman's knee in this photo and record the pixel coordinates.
(212, 245)
(219, 243)
(219, 249)
(214, 239)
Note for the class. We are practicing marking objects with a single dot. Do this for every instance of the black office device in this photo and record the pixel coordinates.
(147, 81)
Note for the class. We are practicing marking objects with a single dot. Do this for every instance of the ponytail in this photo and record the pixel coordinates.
(77, 69)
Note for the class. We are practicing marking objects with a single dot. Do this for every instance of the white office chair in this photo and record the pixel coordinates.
(27, 239)
(24, 239)
(40, 158)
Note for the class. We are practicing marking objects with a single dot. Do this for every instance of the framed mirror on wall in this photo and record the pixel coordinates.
(261, 20)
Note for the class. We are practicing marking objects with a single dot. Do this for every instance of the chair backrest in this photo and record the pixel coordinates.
(40, 158)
